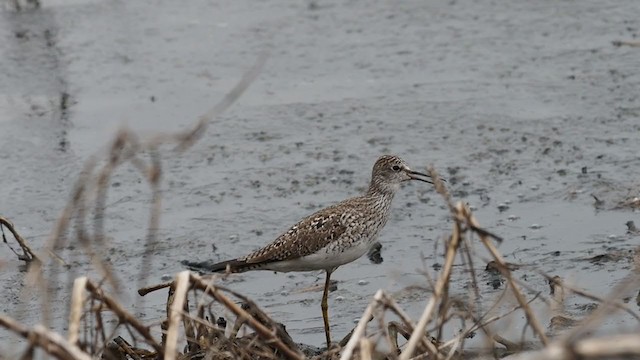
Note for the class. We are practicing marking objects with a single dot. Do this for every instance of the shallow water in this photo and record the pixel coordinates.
(518, 104)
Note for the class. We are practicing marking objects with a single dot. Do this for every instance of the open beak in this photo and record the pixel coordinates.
(414, 175)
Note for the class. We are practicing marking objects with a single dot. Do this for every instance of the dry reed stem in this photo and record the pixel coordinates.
(175, 314)
(439, 291)
(92, 182)
(268, 335)
(50, 342)
(126, 348)
(27, 254)
(254, 311)
(467, 217)
(154, 172)
(482, 324)
(558, 297)
(77, 306)
(380, 300)
(462, 216)
(626, 43)
(610, 299)
(607, 307)
(391, 304)
(265, 320)
(608, 347)
(187, 138)
(625, 345)
(360, 329)
(366, 349)
(124, 148)
(148, 289)
(123, 315)
(395, 328)
(190, 328)
(262, 318)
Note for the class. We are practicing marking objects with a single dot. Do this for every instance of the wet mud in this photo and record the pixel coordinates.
(530, 110)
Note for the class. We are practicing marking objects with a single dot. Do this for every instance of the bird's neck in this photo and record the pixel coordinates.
(380, 188)
(379, 202)
(381, 193)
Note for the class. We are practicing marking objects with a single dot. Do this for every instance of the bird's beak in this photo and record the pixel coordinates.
(414, 175)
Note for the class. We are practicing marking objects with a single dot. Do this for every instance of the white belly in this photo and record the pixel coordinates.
(325, 259)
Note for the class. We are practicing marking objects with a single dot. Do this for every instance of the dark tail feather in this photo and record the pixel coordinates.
(209, 266)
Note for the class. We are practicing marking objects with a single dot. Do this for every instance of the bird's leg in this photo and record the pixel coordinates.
(325, 307)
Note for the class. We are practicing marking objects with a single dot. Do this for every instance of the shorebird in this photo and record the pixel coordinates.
(331, 237)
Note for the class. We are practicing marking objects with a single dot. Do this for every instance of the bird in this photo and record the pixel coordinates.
(331, 237)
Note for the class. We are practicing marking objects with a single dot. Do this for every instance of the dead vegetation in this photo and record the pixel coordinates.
(192, 331)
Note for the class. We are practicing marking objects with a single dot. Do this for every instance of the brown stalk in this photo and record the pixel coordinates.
(77, 306)
(465, 216)
(439, 290)
(268, 335)
(27, 254)
(145, 290)
(50, 342)
(610, 300)
(359, 331)
(391, 304)
(123, 315)
(609, 347)
(175, 314)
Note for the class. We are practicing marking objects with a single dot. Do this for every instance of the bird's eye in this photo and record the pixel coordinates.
(395, 168)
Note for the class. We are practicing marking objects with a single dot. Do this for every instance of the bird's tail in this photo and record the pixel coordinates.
(234, 266)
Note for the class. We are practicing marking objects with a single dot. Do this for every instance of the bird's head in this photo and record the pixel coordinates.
(390, 171)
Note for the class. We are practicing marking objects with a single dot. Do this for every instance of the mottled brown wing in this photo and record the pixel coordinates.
(306, 237)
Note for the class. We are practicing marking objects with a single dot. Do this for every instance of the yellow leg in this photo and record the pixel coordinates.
(325, 308)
